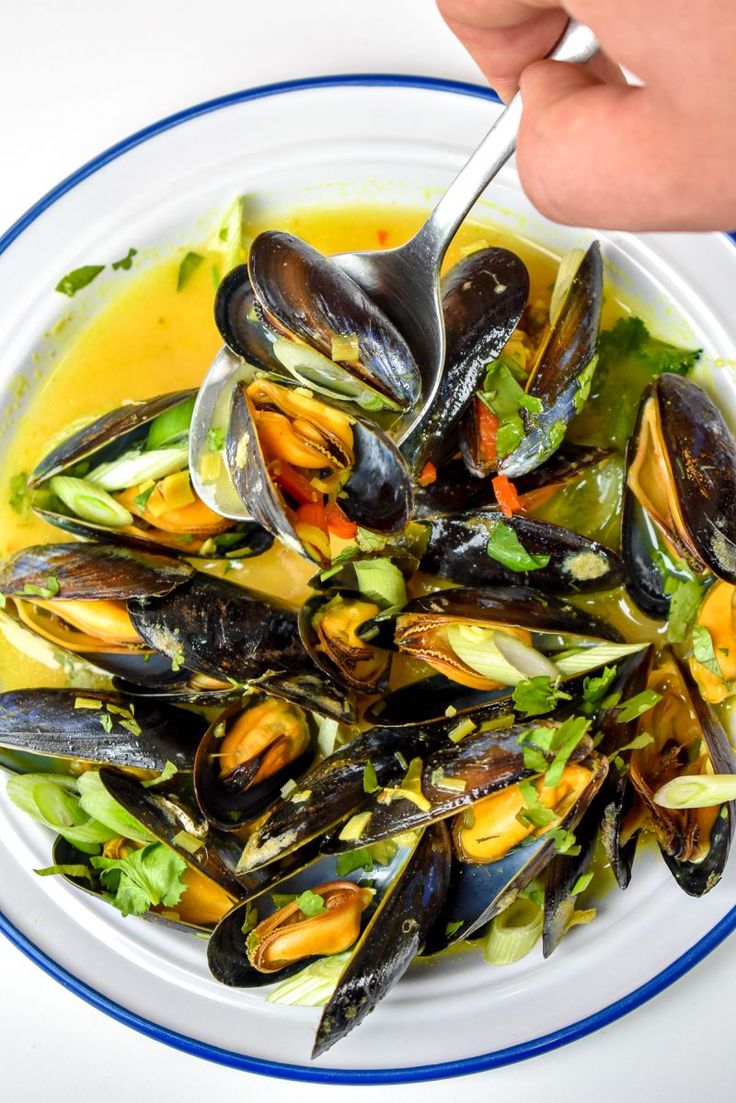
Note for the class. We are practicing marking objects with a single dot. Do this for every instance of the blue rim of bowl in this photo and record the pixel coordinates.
(466, 1065)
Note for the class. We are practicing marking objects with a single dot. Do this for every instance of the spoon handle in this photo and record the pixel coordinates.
(577, 44)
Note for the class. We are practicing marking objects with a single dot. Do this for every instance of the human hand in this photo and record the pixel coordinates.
(595, 151)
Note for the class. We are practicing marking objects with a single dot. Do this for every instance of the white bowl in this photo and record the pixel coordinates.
(342, 140)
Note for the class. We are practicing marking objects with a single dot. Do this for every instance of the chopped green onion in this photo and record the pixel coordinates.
(313, 986)
(697, 791)
(513, 933)
(187, 842)
(78, 278)
(89, 502)
(458, 733)
(588, 658)
(490, 653)
(381, 581)
(87, 703)
(166, 774)
(95, 800)
(638, 705)
(133, 468)
(51, 588)
(53, 801)
(126, 263)
(370, 781)
(171, 426)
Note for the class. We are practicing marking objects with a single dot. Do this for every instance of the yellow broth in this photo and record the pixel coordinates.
(150, 338)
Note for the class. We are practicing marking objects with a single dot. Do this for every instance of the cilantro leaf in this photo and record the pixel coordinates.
(505, 547)
(143, 879)
(51, 588)
(506, 398)
(535, 813)
(629, 353)
(596, 687)
(187, 268)
(310, 903)
(77, 279)
(566, 739)
(637, 706)
(126, 262)
(686, 596)
(216, 439)
(352, 860)
(703, 649)
(536, 696)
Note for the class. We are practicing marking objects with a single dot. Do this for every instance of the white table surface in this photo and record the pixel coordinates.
(76, 76)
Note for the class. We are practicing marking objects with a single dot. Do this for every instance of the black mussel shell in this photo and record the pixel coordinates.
(358, 666)
(172, 818)
(92, 572)
(483, 761)
(229, 802)
(241, 331)
(478, 893)
(561, 375)
(305, 294)
(639, 547)
(483, 299)
(392, 939)
(700, 454)
(563, 873)
(67, 724)
(331, 791)
(433, 700)
(457, 546)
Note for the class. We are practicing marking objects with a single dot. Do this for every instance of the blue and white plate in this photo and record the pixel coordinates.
(338, 141)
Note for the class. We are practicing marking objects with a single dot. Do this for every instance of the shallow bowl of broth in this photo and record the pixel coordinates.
(348, 165)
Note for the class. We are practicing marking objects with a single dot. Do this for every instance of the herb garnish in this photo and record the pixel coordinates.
(536, 696)
(126, 262)
(77, 279)
(187, 268)
(505, 547)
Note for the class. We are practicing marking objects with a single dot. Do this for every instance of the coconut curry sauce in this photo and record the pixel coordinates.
(151, 338)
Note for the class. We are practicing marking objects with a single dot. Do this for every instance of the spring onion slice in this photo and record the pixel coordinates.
(513, 933)
(697, 791)
(170, 427)
(133, 468)
(314, 985)
(310, 368)
(52, 800)
(588, 658)
(97, 803)
(90, 502)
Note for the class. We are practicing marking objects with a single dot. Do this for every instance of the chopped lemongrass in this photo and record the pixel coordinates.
(90, 503)
(476, 647)
(87, 703)
(187, 842)
(697, 791)
(355, 828)
(391, 793)
(210, 467)
(465, 727)
(133, 468)
(288, 788)
(313, 986)
(513, 933)
(301, 796)
(588, 658)
(448, 784)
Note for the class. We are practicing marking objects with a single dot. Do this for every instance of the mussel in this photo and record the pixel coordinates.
(483, 297)
(528, 422)
(686, 738)
(125, 478)
(304, 468)
(75, 596)
(329, 623)
(488, 640)
(248, 754)
(681, 479)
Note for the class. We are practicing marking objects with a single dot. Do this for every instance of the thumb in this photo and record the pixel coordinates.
(591, 153)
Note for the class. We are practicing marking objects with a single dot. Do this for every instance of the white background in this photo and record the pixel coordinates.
(75, 77)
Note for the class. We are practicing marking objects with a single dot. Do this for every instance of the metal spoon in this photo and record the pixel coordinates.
(405, 282)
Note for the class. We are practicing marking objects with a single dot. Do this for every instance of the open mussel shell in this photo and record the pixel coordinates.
(74, 595)
(331, 791)
(226, 953)
(563, 873)
(560, 377)
(395, 934)
(694, 842)
(456, 549)
(233, 635)
(377, 494)
(68, 727)
(248, 754)
(453, 776)
(240, 327)
(173, 818)
(180, 916)
(477, 893)
(681, 469)
(432, 700)
(106, 440)
(483, 298)
(307, 296)
(640, 546)
(327, 625)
